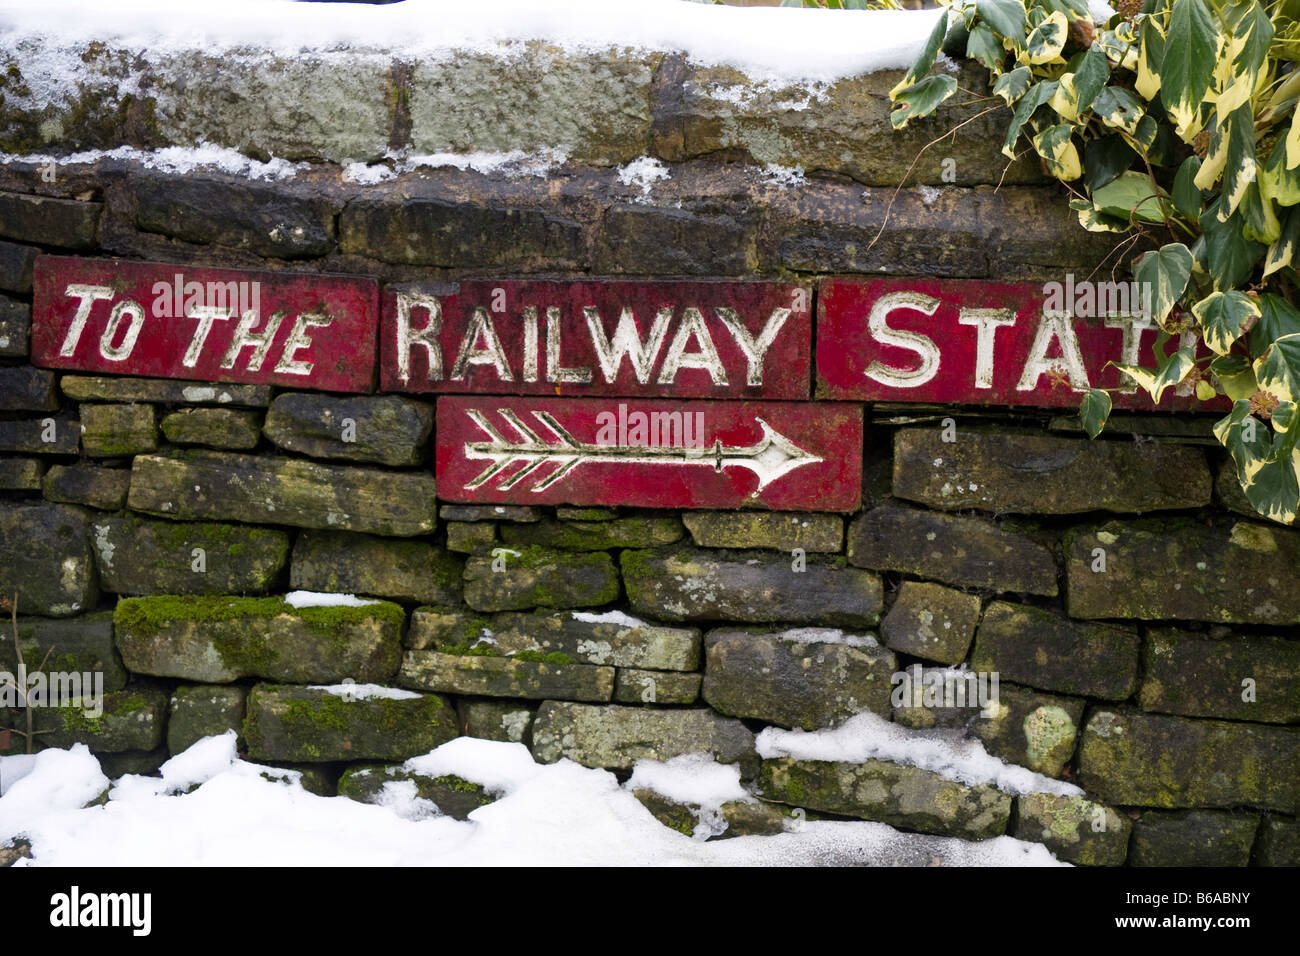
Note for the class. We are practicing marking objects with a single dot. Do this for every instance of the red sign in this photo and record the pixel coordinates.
(787, 456)
(983, 343)
(684, 339)
(213, 325)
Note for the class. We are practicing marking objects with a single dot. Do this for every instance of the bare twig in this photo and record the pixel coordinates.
(890, 208)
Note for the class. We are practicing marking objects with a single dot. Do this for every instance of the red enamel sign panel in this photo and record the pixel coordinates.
(684, 339)
(216, 325)
(787, 456)
(983, 343)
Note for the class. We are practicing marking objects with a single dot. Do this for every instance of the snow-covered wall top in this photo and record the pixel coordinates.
(505, 83)
(767, 43)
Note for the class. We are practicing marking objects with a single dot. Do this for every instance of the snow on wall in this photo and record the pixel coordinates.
(767, 43)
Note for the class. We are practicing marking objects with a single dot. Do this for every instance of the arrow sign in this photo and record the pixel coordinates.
(781, 455)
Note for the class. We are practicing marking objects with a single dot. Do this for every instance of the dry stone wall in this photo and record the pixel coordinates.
(1139, 617)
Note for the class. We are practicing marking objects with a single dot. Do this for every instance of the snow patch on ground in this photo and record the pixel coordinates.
(210, 808)
(695, 779)
(827, 635)
(366, 691)
(13, 768)
(946, 752)
(691, 778)
(300, 599)
(607, 617)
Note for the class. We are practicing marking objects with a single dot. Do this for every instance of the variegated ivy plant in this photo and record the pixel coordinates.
(1174, 121)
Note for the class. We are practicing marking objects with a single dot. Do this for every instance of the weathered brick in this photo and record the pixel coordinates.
(808, 678)
(1196, 675)
(15, 327)
(116, 431)
(385, 429)
(272, 490)
(137, 555)
(487, 676)
(45, 557)
(1235, 572)
(21, 474)
(86, 484)
(1074, 828)
(217, 640)
(931, 621)
(1193, 838)
(94, 388)
(540, 577)
(314, 725)
(266, 220)
(1044, 650)
(616, 737)
(341, 562)
(967, 552)
(27, 389)
(765, 529)
(1045, 474)
(1152, 760)
(899, 795)
(686, 584)
(45, 221)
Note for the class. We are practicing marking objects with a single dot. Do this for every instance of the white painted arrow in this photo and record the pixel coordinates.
(772, 457)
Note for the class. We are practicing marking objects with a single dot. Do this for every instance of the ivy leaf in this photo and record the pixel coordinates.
(1118, 109)
(1216, 156)
(1006, 17)
(1250, 32)
(1105, 158)
(1223, 316)
(1090, 77)
(1131, 193)
(1079, 88)
(1191, 50)
(1172, 371)
(1282, 252)
(1076, 9)
(921, 99)
(1293, 142)
(1151, 54)
(1235, 376)
(1164, 273)
(1011, 86)
(1056, 145)
(1034, 98)
(1048, 39)
(1278, 369)
(1186, 197)
(1266, 467)
(1277, 317)
(1239, 171)
(983, 46)
(1094, 221)
(1230, 257)
(926, 58)
(1094, 411)
(1278, 183)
